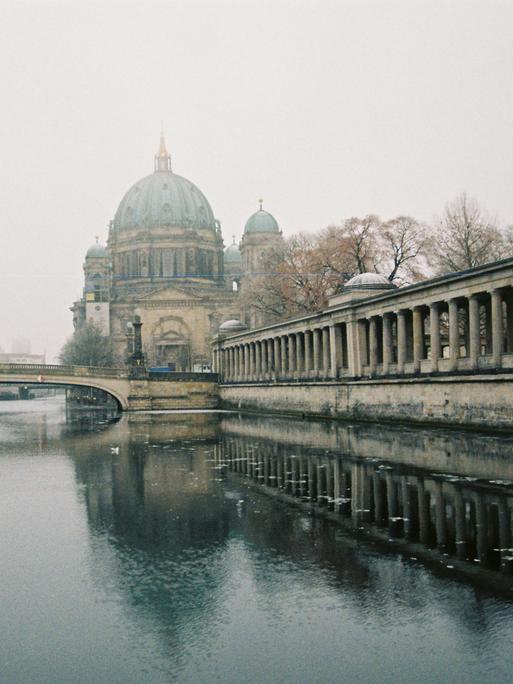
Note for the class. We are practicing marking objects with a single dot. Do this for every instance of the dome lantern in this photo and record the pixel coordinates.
(162, 158)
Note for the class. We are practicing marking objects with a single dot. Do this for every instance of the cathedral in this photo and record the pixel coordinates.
(165, 261)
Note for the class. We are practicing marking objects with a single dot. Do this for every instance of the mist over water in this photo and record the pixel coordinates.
(187, 547)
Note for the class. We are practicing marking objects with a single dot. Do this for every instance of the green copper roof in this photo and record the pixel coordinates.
(232, 255)
(164, 199)
(97, 251)
(261, 222)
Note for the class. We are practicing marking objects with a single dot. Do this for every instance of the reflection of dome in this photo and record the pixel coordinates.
(164, 199)
(261, 222)
(370, 281)
(233, 325)
(232, 255)
(97, 251)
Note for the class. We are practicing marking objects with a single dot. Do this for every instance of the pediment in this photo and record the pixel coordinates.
(170, 294)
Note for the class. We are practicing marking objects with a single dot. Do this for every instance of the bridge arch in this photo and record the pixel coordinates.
(114, 382)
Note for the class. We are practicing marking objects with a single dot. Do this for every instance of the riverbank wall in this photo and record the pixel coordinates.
(477, 401)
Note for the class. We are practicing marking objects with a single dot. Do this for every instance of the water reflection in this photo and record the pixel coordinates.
(160, 482)
(458, 512)
(209, 547)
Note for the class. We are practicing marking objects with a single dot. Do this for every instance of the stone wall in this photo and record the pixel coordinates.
(484, 401)
(150, 394)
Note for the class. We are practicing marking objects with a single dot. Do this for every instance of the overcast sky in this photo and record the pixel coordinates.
(326, 109)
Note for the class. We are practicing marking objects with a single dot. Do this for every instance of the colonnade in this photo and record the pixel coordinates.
(461, 333)
(314, 353)
(460, 519)
(465, 332)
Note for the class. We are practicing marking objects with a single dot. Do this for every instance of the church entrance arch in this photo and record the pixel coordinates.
(171, 341)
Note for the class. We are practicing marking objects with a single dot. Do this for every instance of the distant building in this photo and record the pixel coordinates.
(22, 357)
(166, 262)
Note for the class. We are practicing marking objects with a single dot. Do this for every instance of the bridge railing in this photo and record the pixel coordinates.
(58, 370)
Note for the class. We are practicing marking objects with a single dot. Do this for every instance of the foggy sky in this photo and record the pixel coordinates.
(326, 109)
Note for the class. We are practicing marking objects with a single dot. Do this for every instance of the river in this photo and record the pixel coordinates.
(218, 547)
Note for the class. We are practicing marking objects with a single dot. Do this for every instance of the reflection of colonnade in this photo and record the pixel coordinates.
(468, 520)
(459, 322)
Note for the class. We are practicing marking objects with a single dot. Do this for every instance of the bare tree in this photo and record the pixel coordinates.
(465, 237)
(293, 280)
(301, 275)
(403, 248)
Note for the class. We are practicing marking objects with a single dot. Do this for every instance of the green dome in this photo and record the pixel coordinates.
(97, 251)
(164, 199)
(232, 255)
(261, 222)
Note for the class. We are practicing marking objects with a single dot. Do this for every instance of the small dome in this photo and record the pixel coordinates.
(97, 251)
(233, 325)
(232, 255)
(370, 281)
(261, 222)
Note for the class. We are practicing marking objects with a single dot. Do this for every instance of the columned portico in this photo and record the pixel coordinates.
(458, 323)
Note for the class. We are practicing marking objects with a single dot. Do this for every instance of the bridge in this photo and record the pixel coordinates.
(133, 391)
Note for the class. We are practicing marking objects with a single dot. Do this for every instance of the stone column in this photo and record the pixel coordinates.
(240, 363)
(251, 370)
(454, 334)
(316, 334)
(265, 361)
(474, 330)
(434, 335)
(229, 368)
(373, 345)
(232, 364)
(335, 349)
(325, 352)
(292, 353)
(246, 362)
(387, 343)
(353, 354)
(401, 341)
(284, 366)
(299, 355)
(418, 338)
(509, 321)
(277, 357)
(270, 358)
(497, 328)
(258, 360)
(362, 345)
(308, 352)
